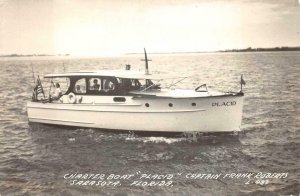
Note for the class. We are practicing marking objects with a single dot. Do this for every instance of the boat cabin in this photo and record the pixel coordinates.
(102, 83)
(106, 85)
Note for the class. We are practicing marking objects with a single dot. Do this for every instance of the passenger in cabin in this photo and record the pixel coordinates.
(136, 85)
(96, 86)
(78, 90)
(57, 93)
(149, 83)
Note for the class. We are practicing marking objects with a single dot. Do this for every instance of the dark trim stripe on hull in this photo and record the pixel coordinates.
(43, 119)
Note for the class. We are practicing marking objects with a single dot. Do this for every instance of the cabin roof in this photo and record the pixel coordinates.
(129, 74)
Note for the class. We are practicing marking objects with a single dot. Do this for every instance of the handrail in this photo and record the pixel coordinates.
(196, 89)
(150, 86)
(177, 82)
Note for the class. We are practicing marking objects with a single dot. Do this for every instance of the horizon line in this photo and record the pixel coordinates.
(258, 49)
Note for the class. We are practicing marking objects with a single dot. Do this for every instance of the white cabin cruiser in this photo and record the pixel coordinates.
(130, 100)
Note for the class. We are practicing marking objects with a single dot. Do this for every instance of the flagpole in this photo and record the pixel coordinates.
(241, 83)
(32, 72)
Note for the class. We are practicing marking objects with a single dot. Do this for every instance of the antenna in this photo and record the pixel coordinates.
(146, 62)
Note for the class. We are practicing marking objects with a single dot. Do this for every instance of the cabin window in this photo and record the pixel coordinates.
(108, 85)
(170, 104)
(95, 84)
(143, 83)
(126, 84)
(102, 85)
(80, 86)
(193, 104)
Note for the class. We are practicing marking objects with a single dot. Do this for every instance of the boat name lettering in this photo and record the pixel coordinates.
(224, 103)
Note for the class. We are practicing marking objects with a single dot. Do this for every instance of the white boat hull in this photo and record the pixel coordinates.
(210, 114)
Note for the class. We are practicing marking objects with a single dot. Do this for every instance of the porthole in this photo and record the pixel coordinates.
(119, 99)
(147, 104)
(170, 104)
(193, 104)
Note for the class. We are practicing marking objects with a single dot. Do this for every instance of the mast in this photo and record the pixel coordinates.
(146, 62)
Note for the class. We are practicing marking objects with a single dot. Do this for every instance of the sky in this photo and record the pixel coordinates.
(105, 27)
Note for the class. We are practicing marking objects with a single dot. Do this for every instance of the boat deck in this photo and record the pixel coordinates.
(178, 93)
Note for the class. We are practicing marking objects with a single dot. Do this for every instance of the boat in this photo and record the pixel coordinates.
(133, 100)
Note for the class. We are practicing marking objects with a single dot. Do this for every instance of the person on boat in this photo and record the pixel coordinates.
(96, 86)
(136, 84)
(57, 93)
(149, 83)
(78, 90)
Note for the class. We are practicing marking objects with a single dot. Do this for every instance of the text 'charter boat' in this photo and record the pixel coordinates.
(135, 101)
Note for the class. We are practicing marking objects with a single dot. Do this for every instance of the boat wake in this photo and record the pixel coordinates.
(156, 139)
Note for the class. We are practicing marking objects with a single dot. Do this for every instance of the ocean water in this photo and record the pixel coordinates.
(36, 159)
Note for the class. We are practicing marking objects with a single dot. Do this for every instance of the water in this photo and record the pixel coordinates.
(35, 157)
